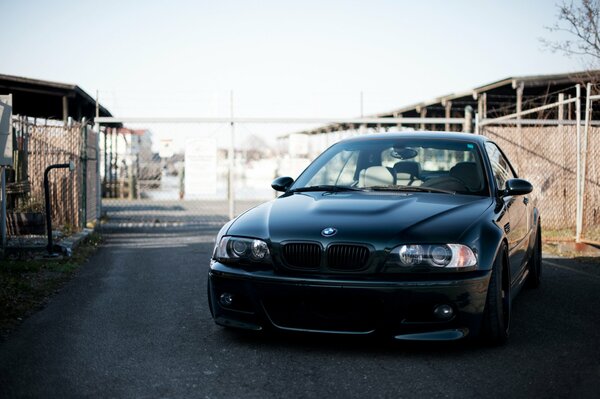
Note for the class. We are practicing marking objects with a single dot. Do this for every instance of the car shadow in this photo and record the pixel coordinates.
(375, 345)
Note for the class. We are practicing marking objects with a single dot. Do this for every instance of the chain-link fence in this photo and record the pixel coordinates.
(150, 176)
(560, 160)
(546, 156)
(178, 173)
(38, 144)
(591, 193)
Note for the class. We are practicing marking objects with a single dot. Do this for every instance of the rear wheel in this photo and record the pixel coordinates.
(535, 262)
(496, 317)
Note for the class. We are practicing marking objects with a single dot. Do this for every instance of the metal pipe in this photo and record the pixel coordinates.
(531, 111)
(230, 192)
(584, 145)
(3, 215)
(84, 159)
(117, 186)
(284, 120)
(542, 122)
(110, 165)
(98, 182)
(579, 214)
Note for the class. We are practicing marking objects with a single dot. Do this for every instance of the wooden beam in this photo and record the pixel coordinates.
(448, 112)
(65, 109)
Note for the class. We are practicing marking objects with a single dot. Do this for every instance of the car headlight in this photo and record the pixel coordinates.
(241, 249)
(443, 256)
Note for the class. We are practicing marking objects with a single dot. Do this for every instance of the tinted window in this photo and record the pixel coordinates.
(437, 163)
(339, 171)
(500, 165)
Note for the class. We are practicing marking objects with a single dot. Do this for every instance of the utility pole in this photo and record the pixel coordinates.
(98, 182)
(362, 115)
(231, 156)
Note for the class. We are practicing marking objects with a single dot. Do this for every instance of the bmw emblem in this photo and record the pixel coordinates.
(329, 231)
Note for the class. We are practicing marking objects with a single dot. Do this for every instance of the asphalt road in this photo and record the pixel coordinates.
(134, 322)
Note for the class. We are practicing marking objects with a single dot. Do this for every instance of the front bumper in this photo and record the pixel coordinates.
(398, 307)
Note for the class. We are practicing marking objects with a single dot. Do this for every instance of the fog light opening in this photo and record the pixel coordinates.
(226, 299)
(443, 312)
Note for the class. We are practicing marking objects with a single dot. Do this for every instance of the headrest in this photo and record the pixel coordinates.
(376, 176)
(411, 167)
(469, 173)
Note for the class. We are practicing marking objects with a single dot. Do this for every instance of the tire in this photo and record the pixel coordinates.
(535, 262)
(496, 317)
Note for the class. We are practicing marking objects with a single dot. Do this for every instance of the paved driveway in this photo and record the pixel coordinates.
(134, 323)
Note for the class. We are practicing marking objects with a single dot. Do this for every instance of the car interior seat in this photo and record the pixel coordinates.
(375, 176)
(408, 173)
(469, 173)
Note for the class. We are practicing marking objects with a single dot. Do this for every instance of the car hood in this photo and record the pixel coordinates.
(371, 217)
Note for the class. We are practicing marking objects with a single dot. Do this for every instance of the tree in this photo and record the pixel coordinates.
(580, 23)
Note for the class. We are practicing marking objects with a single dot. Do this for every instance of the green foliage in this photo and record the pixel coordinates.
(30, 204)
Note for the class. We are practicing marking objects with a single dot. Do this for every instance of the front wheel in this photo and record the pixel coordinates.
(496, 317)
(535, 261)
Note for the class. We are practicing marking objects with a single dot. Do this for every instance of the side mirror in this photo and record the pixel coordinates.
(517, 187)
(282, 183)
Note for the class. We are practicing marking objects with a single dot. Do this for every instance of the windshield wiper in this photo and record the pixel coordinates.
(410, 188)
(324, 187)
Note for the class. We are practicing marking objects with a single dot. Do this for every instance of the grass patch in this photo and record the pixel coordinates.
(558, 234)
(27, 284)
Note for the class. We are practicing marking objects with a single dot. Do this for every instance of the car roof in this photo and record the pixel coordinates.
(421, 135)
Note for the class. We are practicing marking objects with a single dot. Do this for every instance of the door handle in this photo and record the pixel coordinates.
(526, 200)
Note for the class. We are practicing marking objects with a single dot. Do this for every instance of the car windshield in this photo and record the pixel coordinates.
(428, 165)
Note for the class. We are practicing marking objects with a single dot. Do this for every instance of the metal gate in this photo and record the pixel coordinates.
(210, 169)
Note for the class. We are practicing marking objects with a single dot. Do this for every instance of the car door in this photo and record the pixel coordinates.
(517, 223)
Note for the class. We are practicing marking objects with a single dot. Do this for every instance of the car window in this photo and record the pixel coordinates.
(500, 165)
(339, 171)
(446, 165)
(431, 159)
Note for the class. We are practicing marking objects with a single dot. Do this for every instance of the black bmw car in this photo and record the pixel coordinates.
(420, 236)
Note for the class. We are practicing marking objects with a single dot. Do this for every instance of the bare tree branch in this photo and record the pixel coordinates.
(581, 23)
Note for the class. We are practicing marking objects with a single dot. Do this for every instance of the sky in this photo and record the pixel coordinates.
(298, 59)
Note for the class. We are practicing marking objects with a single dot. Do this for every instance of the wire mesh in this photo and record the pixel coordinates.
(547, 157)
(150, 188)
(591, 198)
(175, 172)
(37, 145)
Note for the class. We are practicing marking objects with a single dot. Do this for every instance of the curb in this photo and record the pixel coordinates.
(70, 243)
(67, 245)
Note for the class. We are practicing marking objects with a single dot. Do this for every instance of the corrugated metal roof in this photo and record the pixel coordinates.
(472, 95)
(42, 93)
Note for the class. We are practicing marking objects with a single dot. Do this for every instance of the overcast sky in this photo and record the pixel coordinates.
(281, 58)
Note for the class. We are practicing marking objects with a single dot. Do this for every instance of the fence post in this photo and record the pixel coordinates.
(230, 193)
(98, 182)
(579, 214)
(468, 126)
(399, 125)
(83, 159)
(3, 210)
(584, 145)
(447, 113)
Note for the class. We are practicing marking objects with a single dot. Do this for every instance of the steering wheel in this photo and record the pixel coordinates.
(446, 183)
